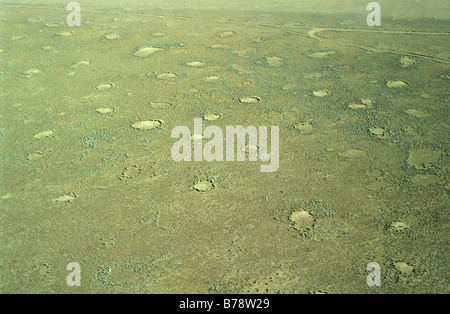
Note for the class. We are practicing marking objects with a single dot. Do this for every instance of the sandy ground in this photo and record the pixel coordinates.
(363, 173)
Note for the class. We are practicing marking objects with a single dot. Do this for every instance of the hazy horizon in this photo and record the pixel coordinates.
(397, 9)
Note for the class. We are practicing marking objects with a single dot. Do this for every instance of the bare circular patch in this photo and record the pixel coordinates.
(143, 52)
(44, 134)
(227, 34)
(422, 156)
(249, 148)
(147, 124)
(81, 64)
(212, 78)
(105, 86)
(274, 61)
(17, 37)
(354, 105)
(364, 104)
(212, 116)
(304, 127)
(404, 268)
(34, 20)
(407, 61)
(379, 132)
(241, 69)
(123, 275)
(54, 24)
(67, 198)
(302, 220)
(321, 93)
(64, 34)
(166, 76)
(417, 113)
(35, 156)
(219, 46)
(396, 84)
(204, 186)
(105, 110)
(114, 36)
(399, 226)
(250, 100)
(196, 63)
(131, 172)
(31, 72)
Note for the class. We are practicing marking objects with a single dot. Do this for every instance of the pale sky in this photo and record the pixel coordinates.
(396, 8)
